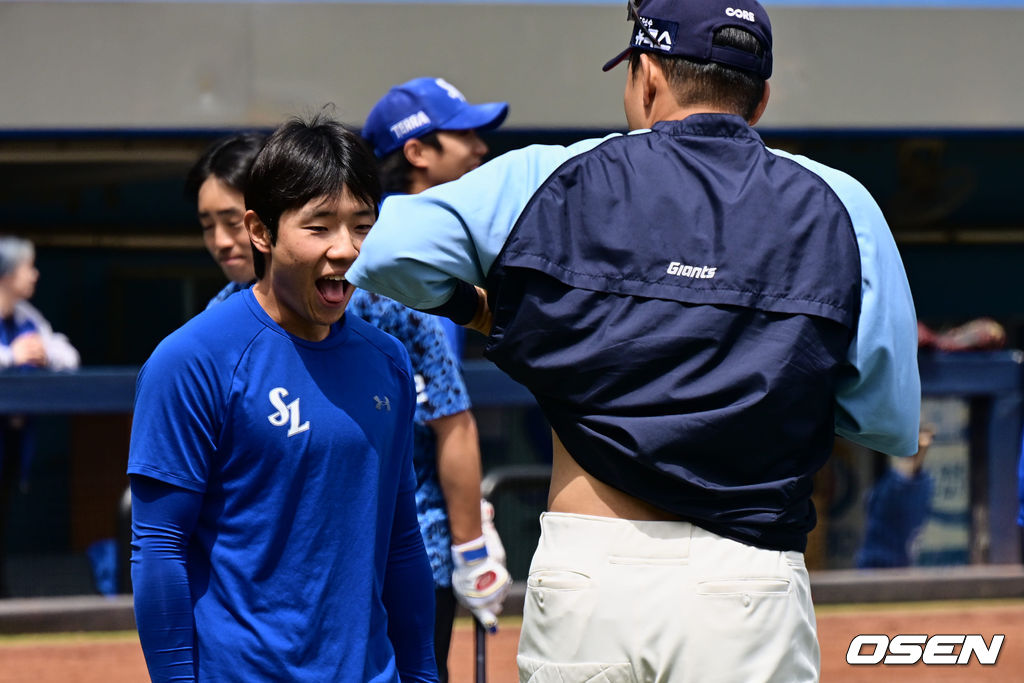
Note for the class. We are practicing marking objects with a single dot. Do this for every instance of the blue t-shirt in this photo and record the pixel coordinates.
(456, 335)
(300, 450)
(440, 391)
(229, 289)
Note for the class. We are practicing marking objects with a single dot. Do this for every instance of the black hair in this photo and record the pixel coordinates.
(697, 82)
(228, 159)
(396, 171)
(303, 160)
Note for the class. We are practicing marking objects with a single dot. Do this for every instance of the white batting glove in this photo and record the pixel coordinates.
(480, 582)
(495, 548)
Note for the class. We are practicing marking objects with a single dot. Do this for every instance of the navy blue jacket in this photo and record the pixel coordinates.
(695, 313)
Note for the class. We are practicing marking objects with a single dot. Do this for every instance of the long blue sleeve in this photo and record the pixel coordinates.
(409, 597)
(163, 517)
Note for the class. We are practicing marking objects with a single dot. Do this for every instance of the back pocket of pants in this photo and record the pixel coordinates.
(537, 671)
(557, 579)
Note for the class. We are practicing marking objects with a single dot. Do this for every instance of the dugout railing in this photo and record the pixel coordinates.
(991, 382)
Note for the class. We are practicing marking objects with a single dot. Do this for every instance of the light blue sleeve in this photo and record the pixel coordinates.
(423, 243)
(878, 405)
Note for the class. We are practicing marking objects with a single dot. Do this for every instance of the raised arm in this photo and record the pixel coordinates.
(424, 244)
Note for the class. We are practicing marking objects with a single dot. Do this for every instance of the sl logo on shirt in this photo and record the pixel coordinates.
(287, 413)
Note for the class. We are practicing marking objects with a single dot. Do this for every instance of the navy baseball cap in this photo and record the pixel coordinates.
(422, 106)
(686, 28)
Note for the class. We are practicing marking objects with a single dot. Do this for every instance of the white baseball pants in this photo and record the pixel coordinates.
(620, 601)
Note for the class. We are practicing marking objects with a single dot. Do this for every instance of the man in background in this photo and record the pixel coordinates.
(424, 132)
(26, 338)
(27, 343)
(216, 183)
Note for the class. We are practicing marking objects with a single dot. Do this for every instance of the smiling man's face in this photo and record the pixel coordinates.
(221, 208)
(304, 289)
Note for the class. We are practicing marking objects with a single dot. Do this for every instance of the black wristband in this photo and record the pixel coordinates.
(461, 307)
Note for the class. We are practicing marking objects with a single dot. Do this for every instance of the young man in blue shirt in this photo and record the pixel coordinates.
(697, 315)
(274, 518)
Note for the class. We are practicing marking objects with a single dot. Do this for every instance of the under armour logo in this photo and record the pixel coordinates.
(287, 413)
(383, 403)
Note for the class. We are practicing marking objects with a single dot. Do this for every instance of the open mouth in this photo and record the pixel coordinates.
(333, 288)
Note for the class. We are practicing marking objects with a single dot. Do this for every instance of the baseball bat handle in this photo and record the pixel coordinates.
(480, 643)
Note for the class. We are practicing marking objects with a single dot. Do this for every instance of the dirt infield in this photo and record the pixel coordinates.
(116, 658)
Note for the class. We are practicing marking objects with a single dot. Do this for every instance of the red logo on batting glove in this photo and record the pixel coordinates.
(485, 580)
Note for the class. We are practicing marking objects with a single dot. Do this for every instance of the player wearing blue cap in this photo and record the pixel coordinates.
(697, 315)
(273, 495)
(424, 131)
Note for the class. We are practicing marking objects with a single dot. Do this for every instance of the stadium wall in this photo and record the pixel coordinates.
(201, 65)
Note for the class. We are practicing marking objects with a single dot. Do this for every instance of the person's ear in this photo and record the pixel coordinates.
(759, 110)
(258, 233)
(414, 153)
(649, 75)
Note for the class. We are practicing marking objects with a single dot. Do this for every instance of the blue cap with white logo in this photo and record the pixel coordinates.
(686, 28)
(422, 106)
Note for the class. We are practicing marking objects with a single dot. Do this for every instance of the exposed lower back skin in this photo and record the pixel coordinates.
(575, 491)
